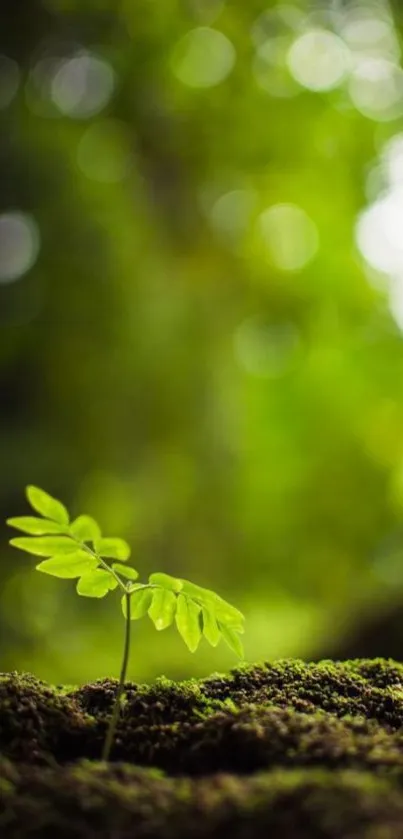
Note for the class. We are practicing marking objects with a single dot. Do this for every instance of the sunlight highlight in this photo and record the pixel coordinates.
(319, 60)
(19, 245)
(203, 58)
(379, 228)
(82, 86)
(376, 89)
(290, 236)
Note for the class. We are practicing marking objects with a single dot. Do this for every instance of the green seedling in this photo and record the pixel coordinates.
(77, 549)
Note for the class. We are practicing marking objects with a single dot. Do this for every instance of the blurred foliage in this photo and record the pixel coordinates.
(197, 344)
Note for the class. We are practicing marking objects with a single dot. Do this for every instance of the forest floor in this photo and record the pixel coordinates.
(301, 751)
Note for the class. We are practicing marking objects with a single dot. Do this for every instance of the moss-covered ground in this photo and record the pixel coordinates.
(286, 749)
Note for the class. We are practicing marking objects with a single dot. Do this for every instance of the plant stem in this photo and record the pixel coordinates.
(102, 562)
(116, 708)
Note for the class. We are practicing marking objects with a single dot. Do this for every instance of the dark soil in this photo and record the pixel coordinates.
(290, 750)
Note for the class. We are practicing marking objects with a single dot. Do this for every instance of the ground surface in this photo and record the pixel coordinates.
(305, 751)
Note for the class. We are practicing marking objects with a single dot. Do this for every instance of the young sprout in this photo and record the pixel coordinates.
(77, 549)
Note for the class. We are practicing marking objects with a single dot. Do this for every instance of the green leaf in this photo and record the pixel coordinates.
(37, 527)
(211, 630)
(197, 592)
(96, 583)
(113, 549)
(165, 581)
(112, 583)
(212, 601)
(231, 638)
(45, 545)
(227, 614)
(187, 621)
(85, 529)
(68, 567)
(125, 571)
(163, 607)
(139, 603)
(47, 506)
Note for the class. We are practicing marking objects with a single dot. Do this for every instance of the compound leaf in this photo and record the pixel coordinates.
(95, 583)
(46, 505)
(125, 571)
(203, 595)
(113, 549)
(165, 581)
(68, 567)
(212, 601)
(211, 630)
(231, 638)
(163, 607)
(36, 526)
(187, 621)
(140, 602)
(85, 529)
(45, 545)
(228, 615)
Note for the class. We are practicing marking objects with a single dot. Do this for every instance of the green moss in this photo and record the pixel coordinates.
(163, 702)
(222, 722)
(301, 750)
(368, 688)
(38, 723)
(122, 801)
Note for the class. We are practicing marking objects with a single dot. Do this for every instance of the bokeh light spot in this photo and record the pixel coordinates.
(367, 35)
(19, 245)
(203, 58)
(379, 233)
(392, 156)
(396, 300)
(104, 153)
(379, 237)
(319, 60)
(291, 237)
(376, 89)
(9, 80)
(82, 86)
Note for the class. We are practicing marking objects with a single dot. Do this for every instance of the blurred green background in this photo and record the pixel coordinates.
(201, 315)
